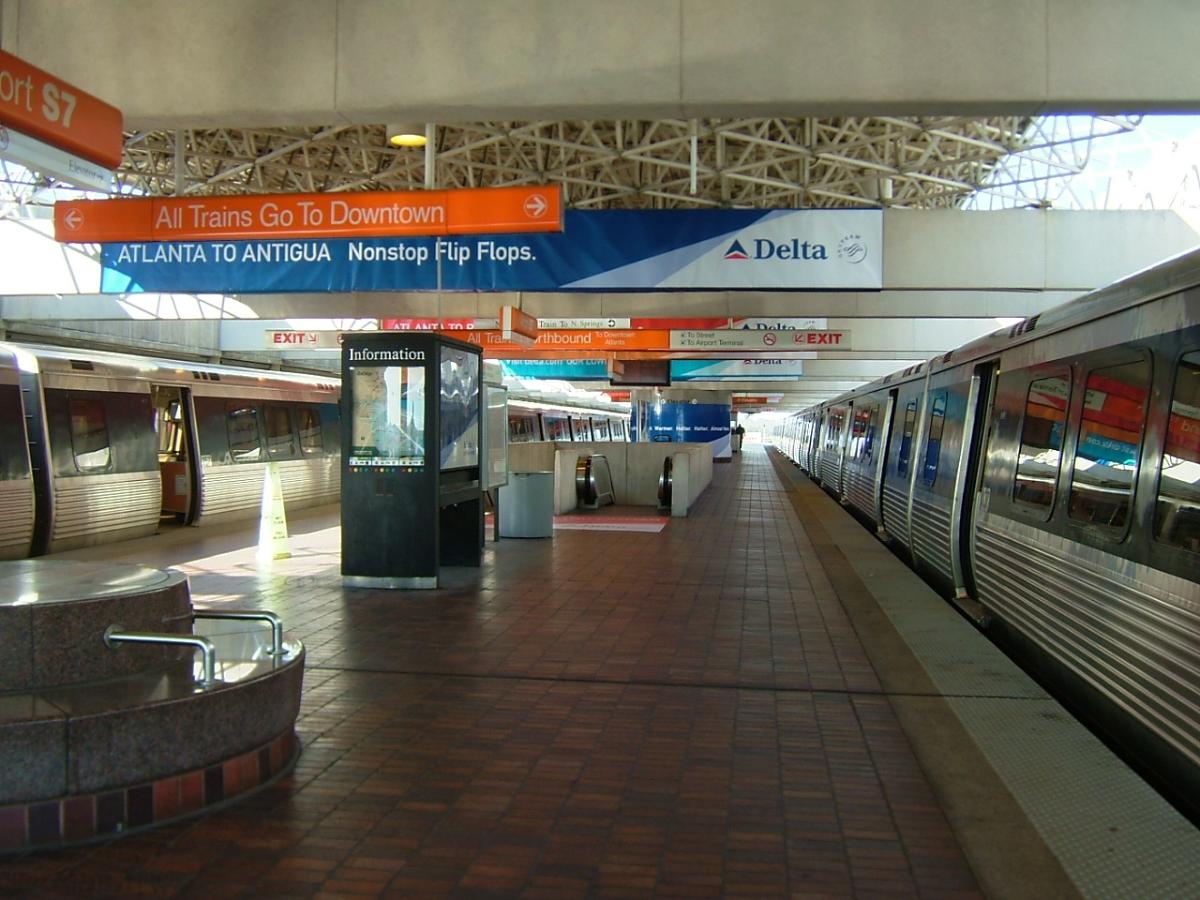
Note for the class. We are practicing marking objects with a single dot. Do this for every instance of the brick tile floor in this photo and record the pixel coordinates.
(601, 714)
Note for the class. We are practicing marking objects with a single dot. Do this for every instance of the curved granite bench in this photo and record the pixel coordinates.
(99, 739)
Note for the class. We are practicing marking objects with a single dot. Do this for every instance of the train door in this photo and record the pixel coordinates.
(178, 456)
(966, 492)
(882, 439)
(37, 436)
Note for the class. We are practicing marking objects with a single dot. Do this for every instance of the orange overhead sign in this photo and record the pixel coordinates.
(565, 342)
(36, 103)
(286, 216)
(518, 326)
(654, 343)
(753, 401)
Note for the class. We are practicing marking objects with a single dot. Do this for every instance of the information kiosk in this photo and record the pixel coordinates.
(412, 496)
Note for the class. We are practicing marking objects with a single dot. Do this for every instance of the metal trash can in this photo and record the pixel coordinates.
(527, 505)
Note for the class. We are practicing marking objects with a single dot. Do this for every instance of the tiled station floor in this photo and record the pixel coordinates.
(685, 714)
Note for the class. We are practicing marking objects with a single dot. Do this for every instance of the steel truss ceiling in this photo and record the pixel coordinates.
(924, 163)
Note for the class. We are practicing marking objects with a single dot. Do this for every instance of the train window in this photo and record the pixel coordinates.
(242, 424)
(910, 422)
(521, 428)
(1041, 441)
(557, 427)
(168, 422)
(862, 431)
(1177, 514)
(600, 429)
(933, 443)
(89, 435)
(281, 442)
(311, 439)
(833, 428)
(1110, 436)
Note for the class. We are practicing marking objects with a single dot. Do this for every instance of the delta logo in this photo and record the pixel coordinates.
(736, 251)
(765, 248)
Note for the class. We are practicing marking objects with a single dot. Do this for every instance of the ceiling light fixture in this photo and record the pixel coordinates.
(406, 134)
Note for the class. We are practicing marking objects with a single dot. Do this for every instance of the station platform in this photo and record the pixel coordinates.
(757, 700)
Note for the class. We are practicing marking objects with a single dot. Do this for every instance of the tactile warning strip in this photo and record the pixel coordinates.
(1113, 834)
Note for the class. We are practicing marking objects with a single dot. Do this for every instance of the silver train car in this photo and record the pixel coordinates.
(1047, 479)
(535, 417)
(98, 447)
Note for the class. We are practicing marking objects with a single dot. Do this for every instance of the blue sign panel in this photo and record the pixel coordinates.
(763, 368)
(565, 369)
(697, 423)
(612, 250)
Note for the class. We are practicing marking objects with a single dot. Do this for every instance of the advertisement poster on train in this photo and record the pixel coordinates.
(610, 250)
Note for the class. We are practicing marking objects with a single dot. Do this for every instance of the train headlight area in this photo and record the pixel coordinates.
(766, 659)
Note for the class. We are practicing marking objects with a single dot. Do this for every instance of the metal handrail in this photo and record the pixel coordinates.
(115, 634)
(251, 615)
(664, 483)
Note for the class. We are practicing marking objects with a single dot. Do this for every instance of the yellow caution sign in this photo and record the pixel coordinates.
(272, 523)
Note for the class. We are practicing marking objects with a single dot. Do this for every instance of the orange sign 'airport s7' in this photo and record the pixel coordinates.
(287, 216)
(41, 106)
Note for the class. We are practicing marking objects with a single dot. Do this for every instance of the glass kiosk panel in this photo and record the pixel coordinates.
(459, 409)
(388, 416)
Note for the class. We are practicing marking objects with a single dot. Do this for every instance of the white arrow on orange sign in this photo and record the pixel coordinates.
(73, 219)
(535, 206)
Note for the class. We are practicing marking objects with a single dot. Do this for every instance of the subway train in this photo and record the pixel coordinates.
(100, 447)
(1046, 478)
(97, 447)
(533, 417)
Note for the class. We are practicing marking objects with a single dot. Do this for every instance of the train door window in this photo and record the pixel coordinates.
(860, 430)
(833, 428)
(168, 421)
(1110, 436)
(869, 438)
(910, 423)
(281, 442)
(89, 435)
(312, 441)
(1177, 513)
(600, 429)
(933, 443)
(242, 425)
(1041, 441)
(521, 428)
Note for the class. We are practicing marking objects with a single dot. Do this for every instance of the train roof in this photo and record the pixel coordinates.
(564, 403)
(1171, 276)
(126, 365)
(1175, 274)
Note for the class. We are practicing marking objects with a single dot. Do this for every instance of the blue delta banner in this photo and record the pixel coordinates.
(613, 250)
